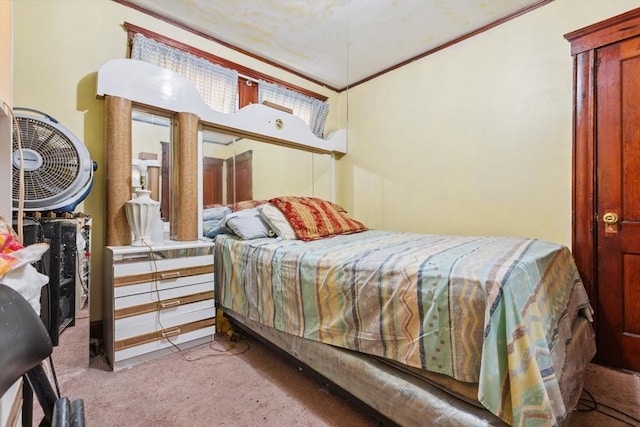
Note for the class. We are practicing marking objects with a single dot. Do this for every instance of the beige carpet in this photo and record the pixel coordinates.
(250, 385)
(613, 390)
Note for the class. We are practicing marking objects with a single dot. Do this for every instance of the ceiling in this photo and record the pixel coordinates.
(337, 43)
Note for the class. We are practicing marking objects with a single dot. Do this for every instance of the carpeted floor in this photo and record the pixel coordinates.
(247, 384)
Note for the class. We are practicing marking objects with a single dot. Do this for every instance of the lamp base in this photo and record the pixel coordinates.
(143, 214)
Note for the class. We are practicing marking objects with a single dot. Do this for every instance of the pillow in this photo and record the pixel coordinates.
(335, 205)
(277, 221)
(247, 224)
(246, 204)
(312, 218)
(214, 213)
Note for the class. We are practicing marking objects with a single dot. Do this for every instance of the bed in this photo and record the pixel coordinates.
(425, 329)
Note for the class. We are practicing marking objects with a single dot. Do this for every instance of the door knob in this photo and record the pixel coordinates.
(610, 218)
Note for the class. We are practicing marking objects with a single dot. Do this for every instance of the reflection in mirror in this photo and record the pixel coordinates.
(217, 149)
(237, 169)
(276, 171)
(150, 136)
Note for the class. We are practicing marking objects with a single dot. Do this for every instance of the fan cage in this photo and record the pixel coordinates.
(57, 165)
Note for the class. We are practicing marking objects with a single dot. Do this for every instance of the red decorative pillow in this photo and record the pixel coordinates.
(336, 206)
(312, 218)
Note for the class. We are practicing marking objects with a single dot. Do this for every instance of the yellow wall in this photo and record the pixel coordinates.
(58, 48)
(475, 139)
(5, 51)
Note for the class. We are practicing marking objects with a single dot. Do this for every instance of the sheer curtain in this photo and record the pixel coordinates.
(217, 85)
(311, 110)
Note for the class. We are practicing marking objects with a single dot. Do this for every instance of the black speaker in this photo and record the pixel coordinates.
(58, 305)
(57, 298)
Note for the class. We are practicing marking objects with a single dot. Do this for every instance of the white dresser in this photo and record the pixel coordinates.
(157, 299)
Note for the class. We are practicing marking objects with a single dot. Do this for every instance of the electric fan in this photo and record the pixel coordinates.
(58, 171)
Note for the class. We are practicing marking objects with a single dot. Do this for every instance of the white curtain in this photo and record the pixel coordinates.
(311, 110)
(217, 85)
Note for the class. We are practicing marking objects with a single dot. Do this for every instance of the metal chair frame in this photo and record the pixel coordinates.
(24, 345)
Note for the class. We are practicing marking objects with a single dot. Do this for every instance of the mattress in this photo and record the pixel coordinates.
(493, 311)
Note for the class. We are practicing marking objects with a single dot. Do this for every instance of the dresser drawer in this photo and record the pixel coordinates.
(172, 333)
(163, 319)
(146, 265)
(124, 290)
(174, 273)
(190, 335)
(137, 299)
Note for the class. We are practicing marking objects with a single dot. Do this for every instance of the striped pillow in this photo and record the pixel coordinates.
(312, 218)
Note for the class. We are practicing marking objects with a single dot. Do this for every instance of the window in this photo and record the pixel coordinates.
(216, 84)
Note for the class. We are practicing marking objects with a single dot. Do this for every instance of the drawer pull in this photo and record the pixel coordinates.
(171, 333)
(167, 304)
(171, 275)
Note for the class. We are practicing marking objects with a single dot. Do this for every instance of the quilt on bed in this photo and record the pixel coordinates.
(479, 309)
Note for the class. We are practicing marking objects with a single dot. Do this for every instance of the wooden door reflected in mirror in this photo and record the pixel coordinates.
(212, 180)
(240, 176)
(237, 169)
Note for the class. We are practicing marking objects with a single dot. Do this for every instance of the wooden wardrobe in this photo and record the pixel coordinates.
(606, 181)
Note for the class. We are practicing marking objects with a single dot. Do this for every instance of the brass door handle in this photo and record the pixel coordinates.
(610, 218)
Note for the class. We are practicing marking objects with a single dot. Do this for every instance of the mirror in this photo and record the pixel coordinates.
(150, 143)
(263, 170)
(280, 171)
(236, 169)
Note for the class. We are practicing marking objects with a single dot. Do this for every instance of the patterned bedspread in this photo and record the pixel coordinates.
(492, 310)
